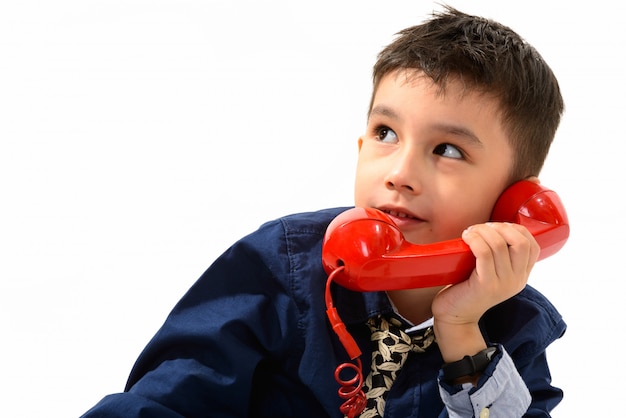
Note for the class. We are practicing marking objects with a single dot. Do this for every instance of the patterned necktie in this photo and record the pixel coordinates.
(391, 348)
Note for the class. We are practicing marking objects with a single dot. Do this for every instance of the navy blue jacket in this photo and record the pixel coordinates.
(251, 338)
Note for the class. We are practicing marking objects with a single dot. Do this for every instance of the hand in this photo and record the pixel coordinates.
(505, 255)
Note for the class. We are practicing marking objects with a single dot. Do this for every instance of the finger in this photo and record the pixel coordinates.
(503, 251)
(522, 246)
(483, 242)
(499, 247)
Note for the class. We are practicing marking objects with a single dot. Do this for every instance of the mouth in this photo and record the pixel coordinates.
(400, 214)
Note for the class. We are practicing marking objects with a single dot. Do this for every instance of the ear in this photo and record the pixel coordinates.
(360, 143)
(533, 179)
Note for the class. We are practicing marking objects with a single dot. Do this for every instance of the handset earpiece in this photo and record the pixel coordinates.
(537, 208)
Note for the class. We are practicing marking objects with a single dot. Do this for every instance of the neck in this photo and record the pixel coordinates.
(414, 304)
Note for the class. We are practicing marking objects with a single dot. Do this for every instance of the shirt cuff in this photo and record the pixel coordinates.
(501, 391)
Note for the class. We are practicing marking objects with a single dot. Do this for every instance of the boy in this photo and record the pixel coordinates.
(461, 108)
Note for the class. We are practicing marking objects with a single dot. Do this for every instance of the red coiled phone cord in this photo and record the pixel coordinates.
(350, 389)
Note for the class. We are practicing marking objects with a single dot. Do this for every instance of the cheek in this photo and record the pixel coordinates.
(361, 183)
(475, 210)
(480, 212)
(366, 178)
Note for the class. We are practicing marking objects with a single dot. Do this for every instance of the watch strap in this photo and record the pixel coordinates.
(468, 365)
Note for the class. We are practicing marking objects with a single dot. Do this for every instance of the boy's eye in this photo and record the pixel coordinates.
(385, 134)
(448, 151)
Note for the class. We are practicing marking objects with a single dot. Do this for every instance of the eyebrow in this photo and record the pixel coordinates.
(383, 110)
(449, 128)
(459, 131)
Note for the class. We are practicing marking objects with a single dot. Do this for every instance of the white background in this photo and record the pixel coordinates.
(139, 139)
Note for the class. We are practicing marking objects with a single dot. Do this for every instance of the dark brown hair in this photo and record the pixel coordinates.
(490, 58)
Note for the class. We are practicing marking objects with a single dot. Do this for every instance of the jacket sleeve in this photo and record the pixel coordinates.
(203, 359)
(524, 326)
(540, 324)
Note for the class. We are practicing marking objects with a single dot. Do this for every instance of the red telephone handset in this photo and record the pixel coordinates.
(374, 255)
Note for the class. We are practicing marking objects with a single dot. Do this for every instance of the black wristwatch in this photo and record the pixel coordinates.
(468, 365)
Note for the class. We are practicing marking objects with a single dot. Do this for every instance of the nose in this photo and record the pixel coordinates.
(403, 174)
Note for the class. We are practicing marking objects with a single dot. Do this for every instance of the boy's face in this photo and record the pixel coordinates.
(435, 162)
